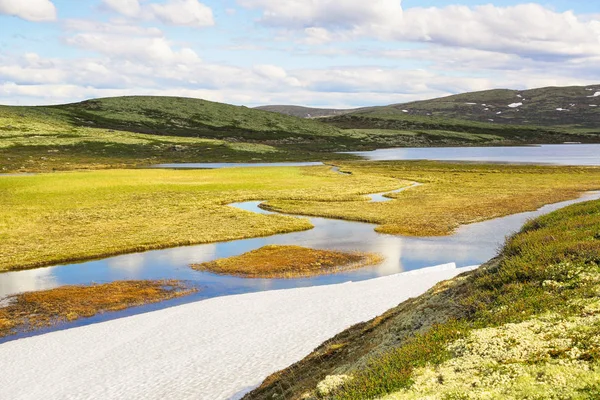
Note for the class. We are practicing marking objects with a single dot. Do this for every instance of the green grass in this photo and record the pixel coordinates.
(523, 326)
(533, 320)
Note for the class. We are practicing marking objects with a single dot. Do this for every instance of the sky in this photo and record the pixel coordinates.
(322, 53)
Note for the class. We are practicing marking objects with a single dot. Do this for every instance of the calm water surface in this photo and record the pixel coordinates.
(470, 245)
(560, 154)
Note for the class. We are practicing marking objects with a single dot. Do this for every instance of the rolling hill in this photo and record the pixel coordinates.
(146, 130)
(305, 112)
(551, 106)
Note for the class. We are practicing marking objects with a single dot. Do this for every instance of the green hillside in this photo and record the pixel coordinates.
(304, 112)
(145, 130)
(576, 106)
(523, 326)
(176, 116)
(141, 131)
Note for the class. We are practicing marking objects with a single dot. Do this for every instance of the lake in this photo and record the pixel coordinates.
(556, 154)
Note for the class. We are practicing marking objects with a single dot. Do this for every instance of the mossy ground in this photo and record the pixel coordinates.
(288, 262)
(524, 326)
(36, 310)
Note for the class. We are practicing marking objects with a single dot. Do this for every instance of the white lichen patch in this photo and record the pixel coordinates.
(535, 359)
(331, 383)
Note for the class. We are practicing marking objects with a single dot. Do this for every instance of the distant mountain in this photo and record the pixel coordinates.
(305, 112)
(576, 106)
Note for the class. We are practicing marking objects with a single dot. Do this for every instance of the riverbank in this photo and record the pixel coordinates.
(525, 325)
(213, 349)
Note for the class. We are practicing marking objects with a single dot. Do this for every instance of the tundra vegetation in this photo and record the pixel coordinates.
(36, 310)
(526, 325)
(275, 261)
(124, 132)
(55, 218)
(60, 217)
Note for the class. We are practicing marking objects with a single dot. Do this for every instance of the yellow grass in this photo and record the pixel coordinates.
(56, 218)
(35, 310)
(451, 194)
(288, 262)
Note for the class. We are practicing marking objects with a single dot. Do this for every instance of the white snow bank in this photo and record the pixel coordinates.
(515, 105)
(597, 94)
(212, 349)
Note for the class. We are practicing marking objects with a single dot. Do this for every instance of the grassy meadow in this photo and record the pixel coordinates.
(36, 310)
(54, 218)
(451, 194)
(523, 326)
(288, 262)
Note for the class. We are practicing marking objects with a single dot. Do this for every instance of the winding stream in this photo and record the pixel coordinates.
(470, 245)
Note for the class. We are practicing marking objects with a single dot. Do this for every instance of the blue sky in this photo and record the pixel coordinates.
(334, 53)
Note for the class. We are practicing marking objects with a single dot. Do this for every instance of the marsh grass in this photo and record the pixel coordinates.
(288, 262)
(61, 217)
(56, 218)
(451, 194)
(35, 310)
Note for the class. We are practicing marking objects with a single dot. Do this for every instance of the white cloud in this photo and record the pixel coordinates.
(114, 27)
(30, 10)
(183, 12)
(325, 13)
(171, 12)
(142, 49)
(529, 30)
(129, 8)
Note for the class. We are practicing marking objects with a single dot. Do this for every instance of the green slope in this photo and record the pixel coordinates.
(304, 112)
(139, 131)
(178, 116)
(523, 326)
(574, 106)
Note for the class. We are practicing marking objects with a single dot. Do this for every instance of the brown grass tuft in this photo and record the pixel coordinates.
(288, 262)
(36, 310)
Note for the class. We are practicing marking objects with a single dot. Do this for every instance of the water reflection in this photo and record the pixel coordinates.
(560, 154)
(470, 245)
